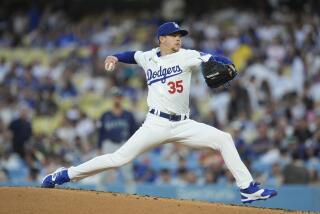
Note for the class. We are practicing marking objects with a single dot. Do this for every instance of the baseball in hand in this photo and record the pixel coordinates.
(109, 66)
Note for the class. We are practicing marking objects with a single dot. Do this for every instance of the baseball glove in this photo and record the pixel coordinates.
(218, 71)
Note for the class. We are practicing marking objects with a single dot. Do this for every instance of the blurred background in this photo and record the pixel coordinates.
(54, 91)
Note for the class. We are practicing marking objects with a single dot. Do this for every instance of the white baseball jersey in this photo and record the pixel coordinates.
(168, 78)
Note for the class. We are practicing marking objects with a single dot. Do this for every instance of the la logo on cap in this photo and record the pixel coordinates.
(176, 25)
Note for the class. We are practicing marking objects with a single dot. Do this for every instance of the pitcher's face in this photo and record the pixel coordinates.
(172, 42)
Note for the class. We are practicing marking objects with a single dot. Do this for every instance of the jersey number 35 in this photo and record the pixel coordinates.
(175, 87)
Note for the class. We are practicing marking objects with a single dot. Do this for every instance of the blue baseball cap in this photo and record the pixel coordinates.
(169, 28)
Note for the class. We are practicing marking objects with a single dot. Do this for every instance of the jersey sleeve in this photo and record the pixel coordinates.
(140, 58)
(204, 56)
(195, 58)
(199, 57)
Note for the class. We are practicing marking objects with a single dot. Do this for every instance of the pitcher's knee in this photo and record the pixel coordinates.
(229, 137)
(225, 140)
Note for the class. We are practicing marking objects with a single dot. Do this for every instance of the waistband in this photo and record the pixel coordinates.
(170, 117)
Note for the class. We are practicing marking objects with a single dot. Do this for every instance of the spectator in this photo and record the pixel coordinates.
(3, 175)
(115, 128)
(68, 90)
(191, 178)
(209, 177)
(34, 175)
(301, 131)
(21, 131)
(240, 101)
(180, 179)
(85, 126)
(276, 177)
(66, 131)
(143, 171)
(5, 137)
(164, 177)
(4, 68)
(115, 125)
(46, 105)
(262, 143)
(295, 172)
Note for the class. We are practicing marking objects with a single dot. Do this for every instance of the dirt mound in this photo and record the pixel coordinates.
(58, 201)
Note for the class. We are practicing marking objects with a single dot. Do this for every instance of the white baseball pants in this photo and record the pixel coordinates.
(157, 130)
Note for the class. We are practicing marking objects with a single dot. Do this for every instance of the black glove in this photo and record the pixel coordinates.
(218, 71)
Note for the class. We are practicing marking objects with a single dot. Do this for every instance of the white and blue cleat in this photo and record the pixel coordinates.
(60, 176)
(255, 193)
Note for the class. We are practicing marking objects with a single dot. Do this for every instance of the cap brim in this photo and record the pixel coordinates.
(181, 32)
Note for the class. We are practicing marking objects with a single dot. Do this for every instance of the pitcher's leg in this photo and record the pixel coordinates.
(196, 134)
(141, 141)
(233, 161)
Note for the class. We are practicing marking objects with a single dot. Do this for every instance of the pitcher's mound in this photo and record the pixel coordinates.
(59, 201)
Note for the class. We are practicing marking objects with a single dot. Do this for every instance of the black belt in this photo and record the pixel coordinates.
(171, 117)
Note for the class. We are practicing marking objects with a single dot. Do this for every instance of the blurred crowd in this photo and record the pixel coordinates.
(49, 109)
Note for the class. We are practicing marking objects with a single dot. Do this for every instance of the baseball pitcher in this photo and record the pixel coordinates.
(168, 70)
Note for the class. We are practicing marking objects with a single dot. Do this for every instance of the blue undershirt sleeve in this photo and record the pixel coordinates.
(221, 59)
(126, 57)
